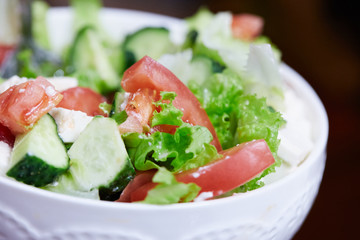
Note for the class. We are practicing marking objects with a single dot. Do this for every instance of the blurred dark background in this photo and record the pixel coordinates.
(320, 40)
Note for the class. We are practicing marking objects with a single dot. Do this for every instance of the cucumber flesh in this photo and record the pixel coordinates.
(99, 158)
(88, 53)
(39, 156)
(150, 41)
(67, 185)
(203, 67)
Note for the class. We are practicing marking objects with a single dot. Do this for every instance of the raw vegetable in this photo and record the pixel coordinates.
(99, 159)
(236, 166)
(220, 89)
(147, 73)
(187, 145)
(90, 63)
(39, 156)
(74, 100)
(151, 41)
(22, 105)
(246, 26)
(6, 135)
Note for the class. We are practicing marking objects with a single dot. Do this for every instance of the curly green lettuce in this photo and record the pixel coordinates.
(189, 147)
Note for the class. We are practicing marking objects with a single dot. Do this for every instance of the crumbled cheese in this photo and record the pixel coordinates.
(296, 140)
(203, 196)
(63, 83)
(15, 80)
(59, 83)
(70, 123)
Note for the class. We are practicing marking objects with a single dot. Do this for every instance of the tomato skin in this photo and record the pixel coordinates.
(4, 51)
(148, 73)
(22, 105)
(82, 99)
(6, 136)
(140, 180)
(246, 26)
(237, 166)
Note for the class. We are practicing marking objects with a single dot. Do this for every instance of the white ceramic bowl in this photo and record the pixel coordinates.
(275, 211)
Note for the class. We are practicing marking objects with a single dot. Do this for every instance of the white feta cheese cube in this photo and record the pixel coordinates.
(296, 139)
(63, 83)
(70, 123)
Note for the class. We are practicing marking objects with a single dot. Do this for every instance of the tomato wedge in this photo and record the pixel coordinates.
(139, 109)
(6, 136)
(22, 105)
(237, 166)
(148, 73)
(141, 179)
(246, 26)
(82, 99)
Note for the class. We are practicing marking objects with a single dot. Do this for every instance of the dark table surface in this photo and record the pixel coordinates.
(320, 40)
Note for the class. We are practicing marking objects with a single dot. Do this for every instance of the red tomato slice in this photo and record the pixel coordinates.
(82, 99)
(246, 26)
(22, 105)
(139, 109)
(148, 73)
(4, 51)
(140, 180)
(6, 135)
(237, 166)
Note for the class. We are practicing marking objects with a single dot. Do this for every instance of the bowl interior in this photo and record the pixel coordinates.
(117, 22)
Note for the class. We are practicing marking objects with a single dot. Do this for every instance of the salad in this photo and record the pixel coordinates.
(149, 119)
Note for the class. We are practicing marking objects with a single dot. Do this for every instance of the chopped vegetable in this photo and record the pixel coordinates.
(156, 136)
(24, 104)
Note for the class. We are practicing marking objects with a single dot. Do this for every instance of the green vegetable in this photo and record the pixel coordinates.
(191, 68)
(86, 13)
(238, 117)
(170, 191)
(99, 159)
(39, 156)
(263, 76)
(172, 151)
(90, 62)
(92, 58)
(169, 114)
(67, 185)
(39, 28)
(151, 41)
(219, 96)
(29, 59)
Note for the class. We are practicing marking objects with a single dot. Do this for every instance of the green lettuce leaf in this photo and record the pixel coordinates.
(169, 190)
(173, 151)
(238, 117)
(169, 114)
(219, 96)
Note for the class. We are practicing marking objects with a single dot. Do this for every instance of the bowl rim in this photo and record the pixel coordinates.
(286, 72)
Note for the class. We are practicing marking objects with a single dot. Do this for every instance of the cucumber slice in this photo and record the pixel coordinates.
(39, 156)
(88, 53)
(119, 99)
(151, 41)
(203, 67)
(117, 113)
(99, 159)
(67, 185)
